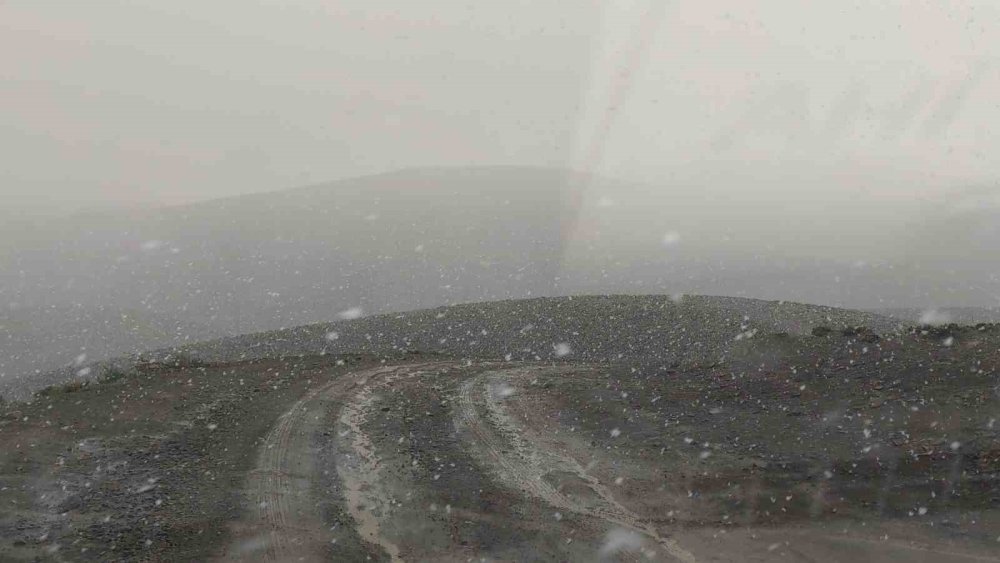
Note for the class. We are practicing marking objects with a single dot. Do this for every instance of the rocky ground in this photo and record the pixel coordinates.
(648, 329)
(611, 429)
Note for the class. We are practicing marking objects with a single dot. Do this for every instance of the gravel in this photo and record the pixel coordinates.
(665, 330)
(593, 328)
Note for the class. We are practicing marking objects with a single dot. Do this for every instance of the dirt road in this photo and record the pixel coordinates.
(454, 461)
(424, 458)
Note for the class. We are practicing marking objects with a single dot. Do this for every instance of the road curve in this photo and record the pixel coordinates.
(455, 461)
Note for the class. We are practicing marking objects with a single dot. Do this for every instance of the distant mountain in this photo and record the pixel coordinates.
(661, 331)
(416, 239)
(33, 340)
(390, 242)
(380, 243)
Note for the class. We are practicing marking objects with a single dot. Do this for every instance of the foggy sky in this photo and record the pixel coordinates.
(133, 103)
(828, 152)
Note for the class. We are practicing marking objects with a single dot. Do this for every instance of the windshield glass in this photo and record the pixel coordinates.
(499, 281)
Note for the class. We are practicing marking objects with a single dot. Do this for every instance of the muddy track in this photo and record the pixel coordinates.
(360, 475)
(283, 523)
(513, 452)
(843, 447)
(286, 524)
(451, 461)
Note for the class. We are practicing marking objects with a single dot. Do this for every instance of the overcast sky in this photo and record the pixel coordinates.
(140, 102)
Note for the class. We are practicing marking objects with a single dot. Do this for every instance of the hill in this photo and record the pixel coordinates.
(639, 427)
(662, 331)
(423, 238)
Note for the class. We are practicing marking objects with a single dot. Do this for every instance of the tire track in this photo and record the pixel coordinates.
(368, 472)
(286, 525)
(519, 464)
(364, 503)
(284, 516)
